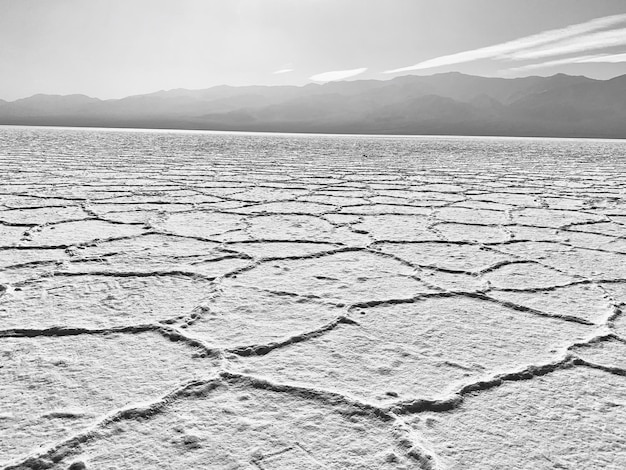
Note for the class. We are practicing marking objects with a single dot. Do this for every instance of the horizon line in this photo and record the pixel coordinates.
(337, 134)
(315, 84)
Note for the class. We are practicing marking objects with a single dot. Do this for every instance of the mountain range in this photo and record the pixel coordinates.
(447, 103)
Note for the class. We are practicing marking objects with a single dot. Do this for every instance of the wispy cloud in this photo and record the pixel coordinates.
(277, 72)
(612, 58)
(336, 75)
(511, 48)
(585, 59)
(588, 42)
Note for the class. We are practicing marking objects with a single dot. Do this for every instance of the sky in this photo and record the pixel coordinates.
(116, 48)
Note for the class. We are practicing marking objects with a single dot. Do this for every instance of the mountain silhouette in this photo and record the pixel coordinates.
(448, 103)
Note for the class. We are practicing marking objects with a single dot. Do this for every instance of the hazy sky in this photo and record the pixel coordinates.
(115, 48)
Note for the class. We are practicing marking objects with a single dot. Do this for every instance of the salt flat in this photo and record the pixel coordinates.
(199, 300)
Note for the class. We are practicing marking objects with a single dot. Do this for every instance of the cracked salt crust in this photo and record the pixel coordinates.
(241, 427)
(425, 348)
(97, 301)
(75, 232)
(567, 419)
(197, 300)
(56, 386)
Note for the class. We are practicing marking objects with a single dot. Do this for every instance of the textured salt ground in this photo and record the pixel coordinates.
(384, 227)
(136, 212)
(19, 265)
(387, 209)
(200, 224)
(270, 194)
(535, 234)
(572, 260)
(107, 208)
(392, 312)
(619, 325)
(603, 228)
(23, 257)
(611, 353)
(156, 253)
(454, 257)
(71, 233)
(458, 232)
(286, 208)
(617, 291)
(567, 419)
(594, 241)
(441, 279)
(44, 215)
(56, 386)
(342, 201)
(423, 349)
(280, 249)
(302, 227)
(238, 427)
(15, 201)
(527, 275)
(474, 215)
(96, 301)
(552, 218)
(342, 277)
(239, 317)
(11, 235)
(160, 198)
(18, 274)
(485, 205)
(587, 302)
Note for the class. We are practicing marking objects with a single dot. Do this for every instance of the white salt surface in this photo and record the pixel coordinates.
(176, 300)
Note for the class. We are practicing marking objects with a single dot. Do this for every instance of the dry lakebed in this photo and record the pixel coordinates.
(194, 300)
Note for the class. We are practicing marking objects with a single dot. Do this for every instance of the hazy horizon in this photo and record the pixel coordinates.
(382, 79)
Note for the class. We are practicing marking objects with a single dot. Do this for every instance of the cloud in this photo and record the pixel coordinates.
(336, 75)
(602, 39)
(508, 49)
(282, 71)
(585, 59)
(612, 58)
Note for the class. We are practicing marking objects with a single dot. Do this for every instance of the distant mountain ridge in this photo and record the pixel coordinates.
(449, 103)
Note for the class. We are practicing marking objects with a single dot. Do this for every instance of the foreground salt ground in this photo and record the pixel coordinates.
(228, 301)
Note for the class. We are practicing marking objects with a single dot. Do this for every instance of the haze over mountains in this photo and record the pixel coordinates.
(448, 103)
